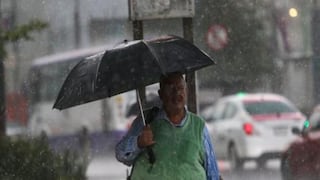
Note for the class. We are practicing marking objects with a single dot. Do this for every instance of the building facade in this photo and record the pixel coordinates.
(77, 24)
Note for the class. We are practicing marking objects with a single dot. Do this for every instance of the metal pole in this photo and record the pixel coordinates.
(191, 77)
(316, 54)
(137, 29)
(2, 87)
(137, 35)
(77, 27)
(274, 48)
(16, 49)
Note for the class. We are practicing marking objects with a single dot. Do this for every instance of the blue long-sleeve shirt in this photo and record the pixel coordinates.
(127, 149)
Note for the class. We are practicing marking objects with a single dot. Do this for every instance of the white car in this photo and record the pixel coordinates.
(252, 127)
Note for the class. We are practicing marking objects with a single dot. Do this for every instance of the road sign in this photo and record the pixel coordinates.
(158, 9)
(217, 37)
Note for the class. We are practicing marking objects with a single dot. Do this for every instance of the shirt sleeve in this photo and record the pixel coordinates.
(127, 149)
(210, 164)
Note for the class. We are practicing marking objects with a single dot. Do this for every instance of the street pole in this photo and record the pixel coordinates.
(137, 35)
(191, 77)
(315, 21)
(77, 26)
(2, 87)
(16, 49)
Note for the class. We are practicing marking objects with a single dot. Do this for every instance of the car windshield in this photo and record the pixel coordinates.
(268, 107)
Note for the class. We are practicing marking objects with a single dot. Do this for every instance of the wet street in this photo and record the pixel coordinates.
(106, 167)
(252, 173)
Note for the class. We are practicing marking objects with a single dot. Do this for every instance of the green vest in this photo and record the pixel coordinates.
(179, 152)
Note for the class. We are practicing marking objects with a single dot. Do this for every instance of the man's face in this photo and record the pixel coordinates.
(173, 93)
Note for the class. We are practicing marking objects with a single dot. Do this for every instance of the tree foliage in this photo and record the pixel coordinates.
(18, 33)
(33, 159)
(246, 58)
(12, 35)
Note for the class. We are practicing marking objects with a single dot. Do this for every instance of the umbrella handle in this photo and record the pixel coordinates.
(152, 157)
(150, 152)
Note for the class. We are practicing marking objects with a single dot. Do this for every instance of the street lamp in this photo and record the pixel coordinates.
(293, 12)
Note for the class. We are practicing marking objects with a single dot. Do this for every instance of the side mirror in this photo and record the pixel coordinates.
(296, 131)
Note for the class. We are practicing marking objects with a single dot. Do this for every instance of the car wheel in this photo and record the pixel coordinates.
(285, 169)
(235, 162)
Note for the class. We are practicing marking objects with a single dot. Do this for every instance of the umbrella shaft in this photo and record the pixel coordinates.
(140, 107)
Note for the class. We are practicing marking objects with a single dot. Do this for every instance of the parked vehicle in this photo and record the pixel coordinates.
(302, 159)
(252, 127)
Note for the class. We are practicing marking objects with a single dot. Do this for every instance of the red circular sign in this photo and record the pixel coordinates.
(217, 37)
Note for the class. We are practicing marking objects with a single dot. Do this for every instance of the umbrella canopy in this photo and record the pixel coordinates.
(129, 66)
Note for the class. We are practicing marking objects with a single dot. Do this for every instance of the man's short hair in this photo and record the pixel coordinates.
(164, 78)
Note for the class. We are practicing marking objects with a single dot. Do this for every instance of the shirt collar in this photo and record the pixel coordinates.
(163, 115)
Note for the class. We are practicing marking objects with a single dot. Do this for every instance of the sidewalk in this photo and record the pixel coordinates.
(106, 167)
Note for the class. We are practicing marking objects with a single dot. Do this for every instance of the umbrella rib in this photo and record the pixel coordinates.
(156, 56)
(101, 54)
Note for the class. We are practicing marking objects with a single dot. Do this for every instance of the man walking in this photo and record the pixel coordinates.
(179, 139)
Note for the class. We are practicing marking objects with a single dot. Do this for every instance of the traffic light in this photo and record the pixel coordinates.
(306, 124)
(241, 94)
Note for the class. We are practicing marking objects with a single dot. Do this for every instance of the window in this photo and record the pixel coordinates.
(230, 111)
(268, 107)
(217, 113)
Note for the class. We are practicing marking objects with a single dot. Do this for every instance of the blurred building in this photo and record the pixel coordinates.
(72, 24)
(81, 23)
(294, 50)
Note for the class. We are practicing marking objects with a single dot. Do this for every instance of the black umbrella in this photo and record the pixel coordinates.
(143, 62)
(129, 66)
